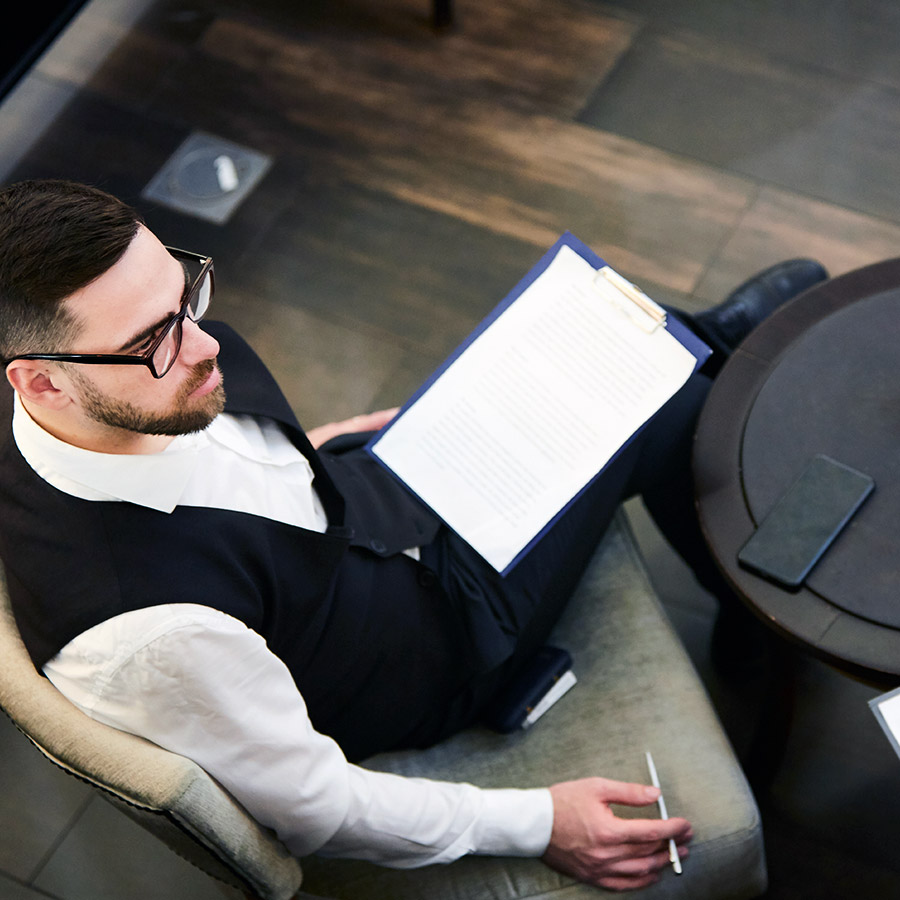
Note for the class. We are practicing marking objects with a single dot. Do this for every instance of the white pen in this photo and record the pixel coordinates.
(663, 814)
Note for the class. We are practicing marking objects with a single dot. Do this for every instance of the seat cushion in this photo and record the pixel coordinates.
(637, 691)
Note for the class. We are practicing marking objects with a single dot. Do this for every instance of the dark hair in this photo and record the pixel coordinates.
(56, 237)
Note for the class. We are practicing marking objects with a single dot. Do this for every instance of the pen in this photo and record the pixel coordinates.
(663, 814)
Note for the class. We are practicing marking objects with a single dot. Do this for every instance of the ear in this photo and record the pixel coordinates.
(39, 383)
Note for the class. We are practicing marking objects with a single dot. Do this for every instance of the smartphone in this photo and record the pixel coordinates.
(801, 526)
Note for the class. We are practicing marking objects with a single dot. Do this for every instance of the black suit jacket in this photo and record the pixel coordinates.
(375, 643)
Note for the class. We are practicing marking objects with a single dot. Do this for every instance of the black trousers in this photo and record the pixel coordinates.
(509, 618)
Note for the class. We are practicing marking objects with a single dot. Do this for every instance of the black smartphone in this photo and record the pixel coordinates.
(801, 526)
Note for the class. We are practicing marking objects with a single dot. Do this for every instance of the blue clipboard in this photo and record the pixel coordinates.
(676, 328)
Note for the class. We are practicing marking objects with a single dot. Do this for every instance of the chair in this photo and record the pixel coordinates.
(637, 691)
(169, 795)
(442, 13)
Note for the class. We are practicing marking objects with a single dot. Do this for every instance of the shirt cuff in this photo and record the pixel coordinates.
(514, 823)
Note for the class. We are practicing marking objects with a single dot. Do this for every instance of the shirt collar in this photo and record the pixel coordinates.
(155, 480)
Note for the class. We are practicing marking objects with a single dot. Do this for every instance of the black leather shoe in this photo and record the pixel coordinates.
(727, 324)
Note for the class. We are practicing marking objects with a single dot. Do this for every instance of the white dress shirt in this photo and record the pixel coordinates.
(200, 683)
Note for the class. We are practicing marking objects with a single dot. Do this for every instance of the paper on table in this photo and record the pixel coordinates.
(533, 409)
(887, 710)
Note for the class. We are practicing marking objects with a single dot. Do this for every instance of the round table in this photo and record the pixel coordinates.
(821, 375)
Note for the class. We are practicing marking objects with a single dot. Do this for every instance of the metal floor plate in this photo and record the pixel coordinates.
(207, 177)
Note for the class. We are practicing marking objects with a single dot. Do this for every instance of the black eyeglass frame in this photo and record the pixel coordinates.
(177, 321)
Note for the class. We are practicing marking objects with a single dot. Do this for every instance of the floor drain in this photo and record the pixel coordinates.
(207, 177)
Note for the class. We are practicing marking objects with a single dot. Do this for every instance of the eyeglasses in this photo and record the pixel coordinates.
(161, 349)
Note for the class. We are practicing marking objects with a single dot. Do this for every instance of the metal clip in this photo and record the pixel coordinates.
(646, 314)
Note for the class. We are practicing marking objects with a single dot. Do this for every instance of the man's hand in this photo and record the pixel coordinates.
(368, 422)
(590, 843)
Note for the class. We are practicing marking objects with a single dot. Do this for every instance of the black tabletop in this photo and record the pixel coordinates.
(822, 375)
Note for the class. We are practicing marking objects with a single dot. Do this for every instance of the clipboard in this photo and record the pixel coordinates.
(633, 301)
(601, 292)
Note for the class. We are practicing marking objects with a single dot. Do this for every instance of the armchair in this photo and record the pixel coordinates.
(637, 691)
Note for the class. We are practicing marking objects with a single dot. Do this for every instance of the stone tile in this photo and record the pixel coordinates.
(780, 225)
(374, 263)
(855, 37)
(38, 802)
(434, 126)
(652, 215)
(25, 114)
(806, 868)
(95, 33)
(106, 856)
(410, 373)
(118, 149)
(510, 51)
(328, 371)
(671, 576)
(13, 890)
(831, 136)
(67, 65)
(840, 776)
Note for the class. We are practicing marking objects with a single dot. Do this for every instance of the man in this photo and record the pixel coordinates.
(192, 570)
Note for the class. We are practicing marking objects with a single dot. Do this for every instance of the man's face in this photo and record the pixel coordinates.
(121, 312)
(183, 416)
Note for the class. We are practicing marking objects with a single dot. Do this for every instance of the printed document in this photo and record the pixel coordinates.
(534, 406)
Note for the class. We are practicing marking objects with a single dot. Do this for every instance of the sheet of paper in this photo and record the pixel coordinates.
(533, 409)
(887, 710)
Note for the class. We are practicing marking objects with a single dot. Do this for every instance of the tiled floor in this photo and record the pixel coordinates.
(414, 178)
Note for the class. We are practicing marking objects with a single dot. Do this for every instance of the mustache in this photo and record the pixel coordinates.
(201, 372)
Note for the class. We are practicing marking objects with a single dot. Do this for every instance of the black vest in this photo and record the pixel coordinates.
(357, 623)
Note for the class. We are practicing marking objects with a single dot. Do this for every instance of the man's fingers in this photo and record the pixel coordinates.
(592, 843)
(373, 421)
(631, 871)
(626, 793)
(627, 882)
(645, 830)
(366, 422)
(636, 864)
(635, 872)
(653, 831)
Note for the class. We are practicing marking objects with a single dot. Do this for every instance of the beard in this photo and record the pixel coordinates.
(185, 416)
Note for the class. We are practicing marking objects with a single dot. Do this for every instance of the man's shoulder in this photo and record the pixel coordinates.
(249, 385)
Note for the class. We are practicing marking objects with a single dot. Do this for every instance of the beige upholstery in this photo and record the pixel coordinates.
(637, 691)
(166, 793)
